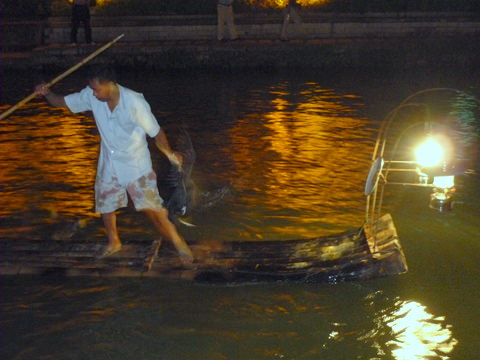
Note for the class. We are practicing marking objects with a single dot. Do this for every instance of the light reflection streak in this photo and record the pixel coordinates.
(53, 148)
(413, 332)
(296, 153)
(261, 3)
(98, 2)
(283, 3)
(307, 161)
(419, 334)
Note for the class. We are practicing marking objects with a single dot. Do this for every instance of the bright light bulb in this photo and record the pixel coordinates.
(430, 153)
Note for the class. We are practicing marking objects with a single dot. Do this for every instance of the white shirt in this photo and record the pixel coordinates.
(124, 150)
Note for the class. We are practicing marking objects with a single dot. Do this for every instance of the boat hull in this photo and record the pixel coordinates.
(362, 254)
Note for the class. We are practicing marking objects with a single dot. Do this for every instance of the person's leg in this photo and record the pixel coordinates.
(145, 197)
(232, 30)
(220, 21)
(110, 222)
(286, 20)
(75, 24)
(169, 231)
(88, 32)
(110, 196)
(86, 25)
(295, 16)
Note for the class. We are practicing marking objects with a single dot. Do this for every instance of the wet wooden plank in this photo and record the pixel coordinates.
(346, 256)
(40, 256)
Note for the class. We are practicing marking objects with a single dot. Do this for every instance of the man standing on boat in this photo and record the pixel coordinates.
(124, 119)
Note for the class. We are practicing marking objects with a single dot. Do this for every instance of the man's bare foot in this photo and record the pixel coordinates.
(185, 254)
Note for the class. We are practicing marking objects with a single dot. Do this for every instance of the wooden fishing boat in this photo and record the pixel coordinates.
(366, 253)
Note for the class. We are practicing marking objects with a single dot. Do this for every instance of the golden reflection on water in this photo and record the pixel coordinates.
(298, 155)
(414, 333)
(419, 334)
(306, 158)
(48, 159)
(283, 3)
(98, 2)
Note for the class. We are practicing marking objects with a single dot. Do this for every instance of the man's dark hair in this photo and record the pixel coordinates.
(103, 73)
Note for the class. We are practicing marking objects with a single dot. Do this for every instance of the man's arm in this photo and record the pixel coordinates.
(164, 146)
(53, 99)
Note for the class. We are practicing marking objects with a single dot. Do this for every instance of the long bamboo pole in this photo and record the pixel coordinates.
(61, 76)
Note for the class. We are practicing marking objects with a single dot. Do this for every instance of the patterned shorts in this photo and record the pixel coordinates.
(110, 195)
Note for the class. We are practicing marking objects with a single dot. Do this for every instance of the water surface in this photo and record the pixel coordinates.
(294, 149)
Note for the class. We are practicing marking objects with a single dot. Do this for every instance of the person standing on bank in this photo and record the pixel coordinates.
(124, 119)
(290, 12)
(81, 14)
(225, 17)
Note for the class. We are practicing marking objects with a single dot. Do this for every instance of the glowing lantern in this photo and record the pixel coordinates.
(430, 153)
(444, 182)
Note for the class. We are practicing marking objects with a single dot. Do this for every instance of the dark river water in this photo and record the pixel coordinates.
(294, 150)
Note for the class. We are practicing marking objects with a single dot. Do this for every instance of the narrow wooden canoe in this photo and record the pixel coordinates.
(366, 253)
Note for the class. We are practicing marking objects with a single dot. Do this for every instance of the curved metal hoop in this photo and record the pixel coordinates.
(373, 176)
